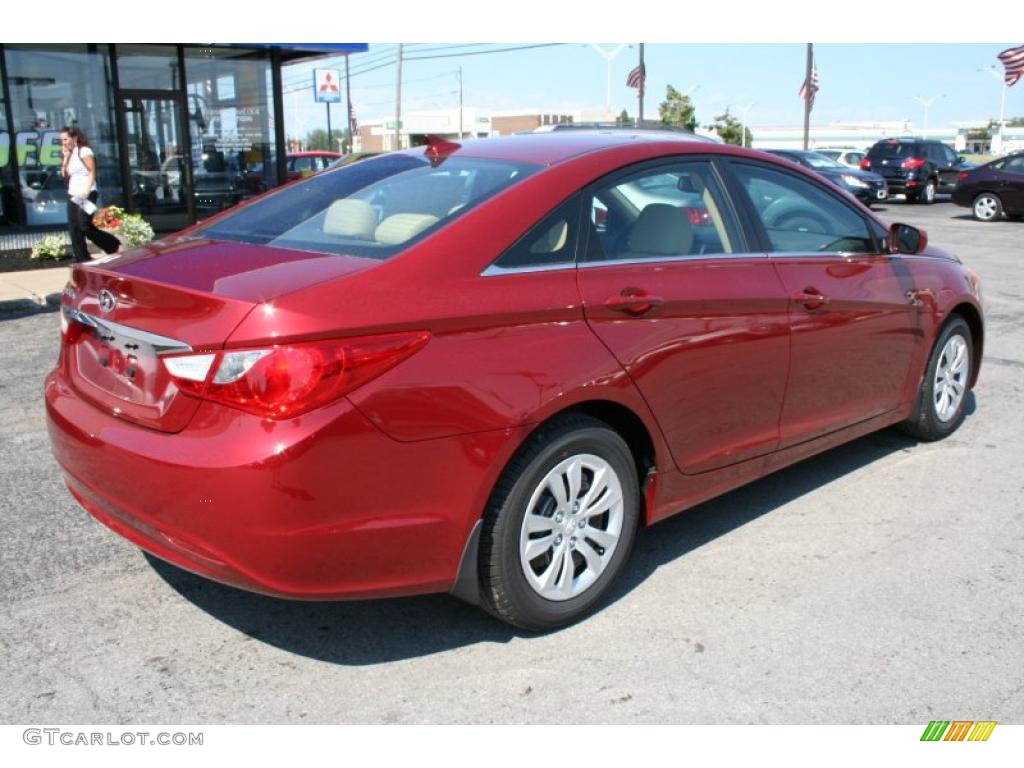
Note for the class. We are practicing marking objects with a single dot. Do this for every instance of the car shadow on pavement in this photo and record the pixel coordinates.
(380, 631)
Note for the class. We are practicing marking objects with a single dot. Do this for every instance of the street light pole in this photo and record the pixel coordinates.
(743, 123)
(926, 103)
(1002, 101)
(608, 56)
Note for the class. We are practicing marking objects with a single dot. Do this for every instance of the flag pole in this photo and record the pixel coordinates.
(807, 94)
(640, 91)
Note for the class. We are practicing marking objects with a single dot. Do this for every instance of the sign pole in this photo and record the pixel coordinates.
(329, 142)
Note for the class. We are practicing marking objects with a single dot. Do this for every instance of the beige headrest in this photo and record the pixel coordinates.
(661, 230)
(396, 229)
(351, 218)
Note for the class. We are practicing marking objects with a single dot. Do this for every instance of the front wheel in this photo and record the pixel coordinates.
(560, 524)
(987, 207)
(942, 399)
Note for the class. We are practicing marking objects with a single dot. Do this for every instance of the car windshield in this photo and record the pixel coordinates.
(815, 160)
(375, 208)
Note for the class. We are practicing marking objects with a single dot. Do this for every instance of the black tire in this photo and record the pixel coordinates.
(911, 198)
(506, 590)
(987, 207)
(927, 422)
(928, 193)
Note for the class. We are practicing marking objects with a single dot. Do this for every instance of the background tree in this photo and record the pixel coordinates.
(317, 140)
(677, 110)
(623, 118)
(728, 129)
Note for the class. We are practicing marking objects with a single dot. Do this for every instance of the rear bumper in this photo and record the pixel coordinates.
(321, 507)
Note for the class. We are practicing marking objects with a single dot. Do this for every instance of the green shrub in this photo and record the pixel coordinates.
(50, 247)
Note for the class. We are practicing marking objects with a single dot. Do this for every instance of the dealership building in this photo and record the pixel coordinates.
(179, 131)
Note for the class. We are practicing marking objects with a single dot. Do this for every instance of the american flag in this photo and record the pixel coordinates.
(637, 76)
(352, 125)
(1013, 60)
(810, 87)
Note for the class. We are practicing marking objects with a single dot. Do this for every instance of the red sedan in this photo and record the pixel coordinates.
(479, 368)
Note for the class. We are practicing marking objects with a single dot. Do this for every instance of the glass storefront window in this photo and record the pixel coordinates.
(7, 198)
(231, 123)
(50, 87)
(147, 67)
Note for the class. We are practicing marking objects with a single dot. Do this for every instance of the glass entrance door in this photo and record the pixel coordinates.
(160, 180)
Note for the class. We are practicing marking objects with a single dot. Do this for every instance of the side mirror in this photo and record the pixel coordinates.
(904, 238)
(961, 160)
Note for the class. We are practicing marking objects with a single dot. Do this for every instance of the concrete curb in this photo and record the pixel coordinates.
(36, 290)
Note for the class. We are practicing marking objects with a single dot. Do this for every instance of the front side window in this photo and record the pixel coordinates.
(666, 212)
(375, 208)
(799, 217)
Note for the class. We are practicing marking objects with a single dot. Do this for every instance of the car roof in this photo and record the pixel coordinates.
(315, 153)
(556, 146)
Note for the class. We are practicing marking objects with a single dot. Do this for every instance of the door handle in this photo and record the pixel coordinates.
(633, 301)
(811, 299)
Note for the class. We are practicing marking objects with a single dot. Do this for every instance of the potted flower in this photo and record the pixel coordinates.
(130, 228)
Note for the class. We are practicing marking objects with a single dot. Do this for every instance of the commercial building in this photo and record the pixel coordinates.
(179, 131)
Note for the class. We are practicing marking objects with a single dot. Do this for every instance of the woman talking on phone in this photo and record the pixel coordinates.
(79, 168)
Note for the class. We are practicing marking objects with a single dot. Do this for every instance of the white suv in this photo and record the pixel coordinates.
(844, 155)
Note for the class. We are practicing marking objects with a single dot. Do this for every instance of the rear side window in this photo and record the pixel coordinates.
(799, 217)
(375, 208)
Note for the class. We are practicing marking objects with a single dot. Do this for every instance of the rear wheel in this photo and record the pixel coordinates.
(928, 193)
(987, 207)
(942, 398)
(560, 524)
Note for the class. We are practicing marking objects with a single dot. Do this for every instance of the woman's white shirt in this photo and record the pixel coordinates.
(78, 174)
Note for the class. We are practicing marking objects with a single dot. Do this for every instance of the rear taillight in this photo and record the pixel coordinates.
(961, 176)
(865, 164)
(287, 380)
(698, 217)
(912, 162)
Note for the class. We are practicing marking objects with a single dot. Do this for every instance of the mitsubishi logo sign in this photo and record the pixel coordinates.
(327, 85)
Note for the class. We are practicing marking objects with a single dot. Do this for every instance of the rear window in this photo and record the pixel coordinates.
(893, 149)
(375, 208)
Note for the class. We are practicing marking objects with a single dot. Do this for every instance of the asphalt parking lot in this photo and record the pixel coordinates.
(881, 582)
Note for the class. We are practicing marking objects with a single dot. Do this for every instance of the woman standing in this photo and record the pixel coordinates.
(79, 168)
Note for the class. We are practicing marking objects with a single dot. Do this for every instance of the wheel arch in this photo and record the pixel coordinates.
(620, 419)
(972, 317)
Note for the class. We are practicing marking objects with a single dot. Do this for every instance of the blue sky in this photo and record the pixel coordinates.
(858, 82)
(873, 56)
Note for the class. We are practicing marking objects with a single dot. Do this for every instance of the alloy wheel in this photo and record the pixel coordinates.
(951, 378)
(572, 526)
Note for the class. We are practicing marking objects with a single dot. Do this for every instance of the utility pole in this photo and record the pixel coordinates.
(808, 95)
(398, 102)
(348, 107)
(460, 103)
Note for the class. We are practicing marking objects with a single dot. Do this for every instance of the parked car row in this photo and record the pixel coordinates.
(920, 169)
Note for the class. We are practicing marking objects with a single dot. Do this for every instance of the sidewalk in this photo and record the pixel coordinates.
(33, 288)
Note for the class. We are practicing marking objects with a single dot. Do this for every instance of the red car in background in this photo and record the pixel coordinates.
(479, 368)
(302, 164)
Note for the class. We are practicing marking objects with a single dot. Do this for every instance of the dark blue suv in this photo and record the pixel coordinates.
(917, 168)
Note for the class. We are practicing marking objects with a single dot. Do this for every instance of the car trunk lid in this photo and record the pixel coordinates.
(123, 316)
